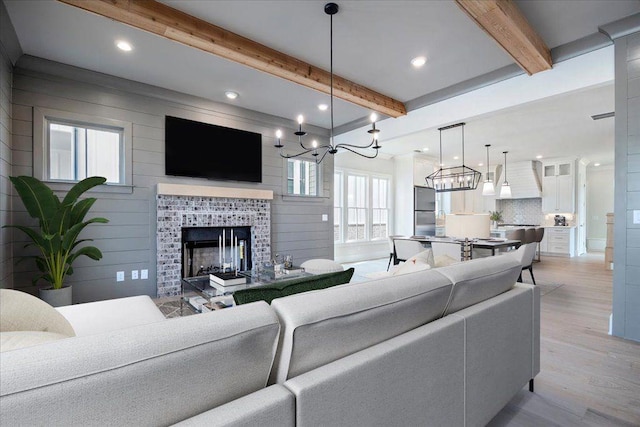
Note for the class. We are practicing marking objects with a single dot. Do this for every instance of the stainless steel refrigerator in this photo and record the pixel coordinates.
(424, 211)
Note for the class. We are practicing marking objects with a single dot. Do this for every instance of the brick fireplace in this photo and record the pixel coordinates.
(181, 206)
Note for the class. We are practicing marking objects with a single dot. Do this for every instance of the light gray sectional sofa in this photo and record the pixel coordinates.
(448, 346)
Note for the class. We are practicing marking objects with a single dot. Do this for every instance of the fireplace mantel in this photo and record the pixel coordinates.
(208, 191)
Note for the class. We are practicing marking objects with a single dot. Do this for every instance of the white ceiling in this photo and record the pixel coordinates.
(373, 44)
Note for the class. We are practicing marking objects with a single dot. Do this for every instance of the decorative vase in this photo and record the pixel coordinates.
(494, 224)
(56, 297)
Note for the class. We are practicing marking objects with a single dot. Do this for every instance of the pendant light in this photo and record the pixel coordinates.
(457, 178)
(488, 188)
(505, 191)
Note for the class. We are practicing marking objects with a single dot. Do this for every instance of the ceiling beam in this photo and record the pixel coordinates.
(165, 21)
(504, 22)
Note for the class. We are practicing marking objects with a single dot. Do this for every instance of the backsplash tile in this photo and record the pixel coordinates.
(521, 211)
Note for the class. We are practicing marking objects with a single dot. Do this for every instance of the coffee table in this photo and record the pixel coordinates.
(199, 287)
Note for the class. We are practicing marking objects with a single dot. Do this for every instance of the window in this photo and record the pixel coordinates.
(71, 147)
(356, 207)
(380, 208)
(302, 177)
(79, 151)
(361, 207)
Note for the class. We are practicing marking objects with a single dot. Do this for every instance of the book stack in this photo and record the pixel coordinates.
(227, 282)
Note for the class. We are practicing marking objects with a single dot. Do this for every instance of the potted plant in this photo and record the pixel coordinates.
(495, 217)
(57, 237)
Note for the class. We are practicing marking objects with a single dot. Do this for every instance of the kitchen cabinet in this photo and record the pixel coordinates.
(558, 187)
(560, 241)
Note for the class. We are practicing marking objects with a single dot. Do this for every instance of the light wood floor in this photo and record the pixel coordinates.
(587, 377)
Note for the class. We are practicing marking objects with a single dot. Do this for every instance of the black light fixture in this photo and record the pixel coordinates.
(319, 152)
(487, 188)
(457, 178)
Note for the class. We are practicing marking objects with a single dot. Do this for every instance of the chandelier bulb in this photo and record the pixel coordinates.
(300, 119)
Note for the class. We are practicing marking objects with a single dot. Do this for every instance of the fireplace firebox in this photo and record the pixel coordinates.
(210, 249)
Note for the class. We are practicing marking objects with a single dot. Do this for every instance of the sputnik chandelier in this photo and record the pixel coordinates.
(319, 152)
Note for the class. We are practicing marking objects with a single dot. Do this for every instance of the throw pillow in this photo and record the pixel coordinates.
(410, 266)
(20, 311)
(424, 256)
(444, 260)
(293, 286)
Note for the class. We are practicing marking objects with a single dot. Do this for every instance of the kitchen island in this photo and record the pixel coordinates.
(558, 240)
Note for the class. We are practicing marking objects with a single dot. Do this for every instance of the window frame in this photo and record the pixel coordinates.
(343, 224)
(319, 179)
(41, 149)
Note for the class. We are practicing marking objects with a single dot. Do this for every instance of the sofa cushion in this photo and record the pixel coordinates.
(293, 286)
(20, 311)
(414, 379)
(351, 317)
(111, 315)
(479, 279)
(155, 374)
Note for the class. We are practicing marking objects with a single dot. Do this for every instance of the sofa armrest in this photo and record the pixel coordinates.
(111, 315)
(271, 406)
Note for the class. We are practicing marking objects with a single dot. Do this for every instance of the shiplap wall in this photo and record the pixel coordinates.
(626, 276)
(128, 242)
(6, 264)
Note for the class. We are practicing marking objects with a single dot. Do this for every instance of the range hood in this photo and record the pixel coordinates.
(524, 178)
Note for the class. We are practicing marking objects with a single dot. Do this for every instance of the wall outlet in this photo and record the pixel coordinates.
(325, 217)
(144, 274)
(120, 276)
(134, 274)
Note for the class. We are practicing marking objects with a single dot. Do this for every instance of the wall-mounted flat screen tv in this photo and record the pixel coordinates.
(203, 150)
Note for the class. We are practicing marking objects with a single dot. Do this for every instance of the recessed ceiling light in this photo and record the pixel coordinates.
(539, 156)
(231, 94)
(425, 149)
(418, 61)
(123, 45)
(323, 107)
(480, 164)
(596, 164)
(455, 157)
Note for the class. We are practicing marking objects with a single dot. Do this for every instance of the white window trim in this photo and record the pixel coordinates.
(41, 117)
(369, 174)
(319, 181)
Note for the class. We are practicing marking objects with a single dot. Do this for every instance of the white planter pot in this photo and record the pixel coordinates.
(57, 297)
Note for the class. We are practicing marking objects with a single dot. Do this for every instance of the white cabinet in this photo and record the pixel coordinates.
(558, 187)
(559, 241)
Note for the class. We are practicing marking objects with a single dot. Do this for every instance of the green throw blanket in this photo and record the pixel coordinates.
(294, 286)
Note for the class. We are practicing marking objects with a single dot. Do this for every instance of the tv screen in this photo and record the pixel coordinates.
(203, 150)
